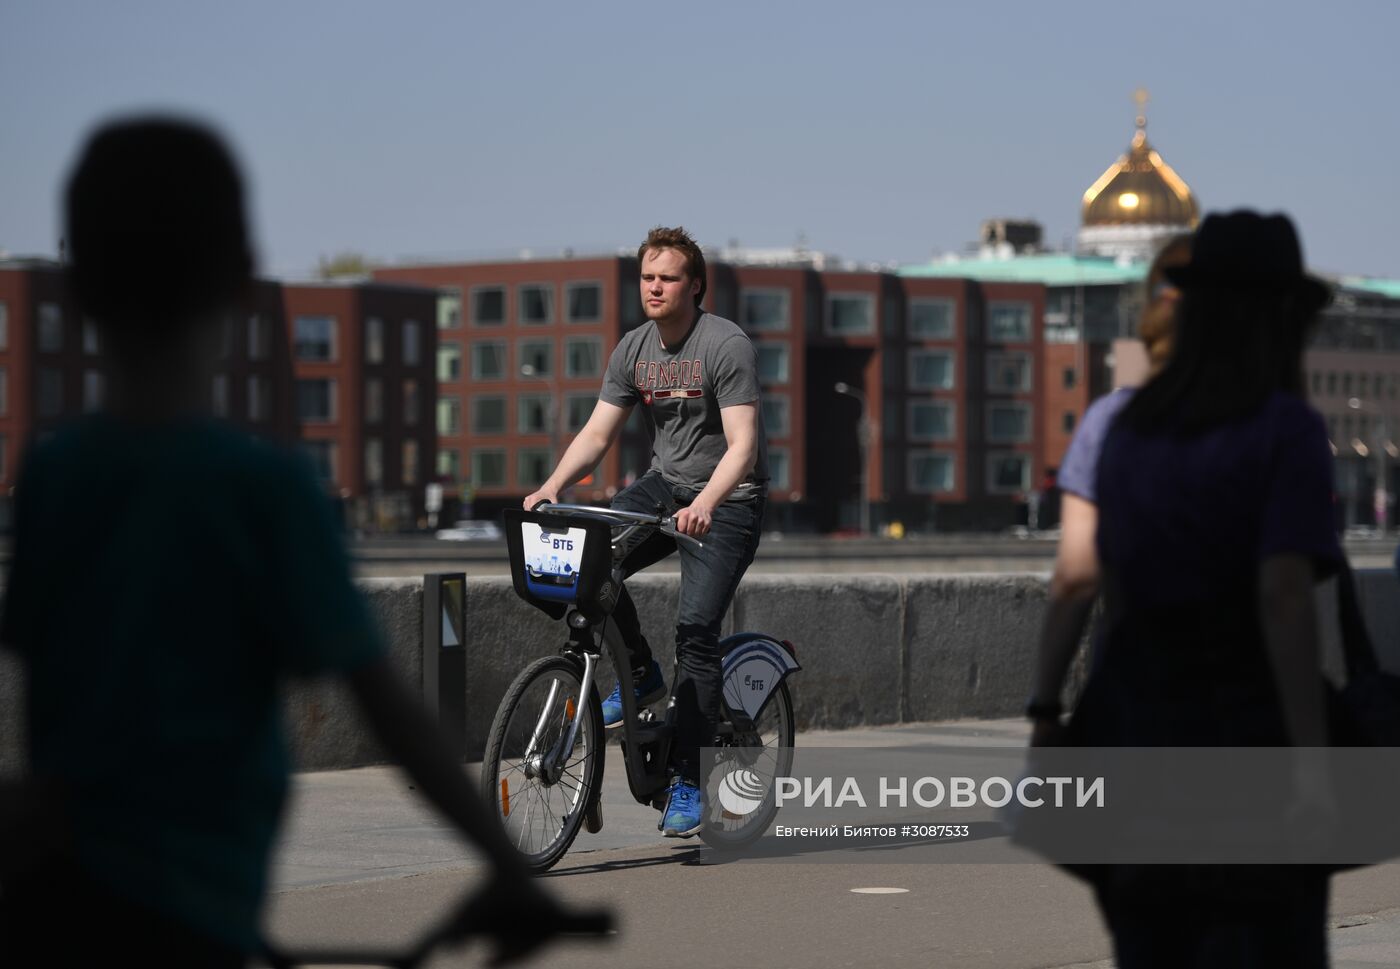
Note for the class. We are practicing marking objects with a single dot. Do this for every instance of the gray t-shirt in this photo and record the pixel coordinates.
(681, 390)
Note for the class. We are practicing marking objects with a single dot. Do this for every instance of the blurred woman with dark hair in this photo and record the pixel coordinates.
(1215, 521)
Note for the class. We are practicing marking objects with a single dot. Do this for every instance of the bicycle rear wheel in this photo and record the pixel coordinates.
(539, 788)
(751, 766)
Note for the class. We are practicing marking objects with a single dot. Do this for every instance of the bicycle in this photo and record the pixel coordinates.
(543, 766)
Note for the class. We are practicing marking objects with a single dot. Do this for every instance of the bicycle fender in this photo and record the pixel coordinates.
(754, 665)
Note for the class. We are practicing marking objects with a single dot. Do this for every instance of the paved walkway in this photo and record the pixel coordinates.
(362, 861)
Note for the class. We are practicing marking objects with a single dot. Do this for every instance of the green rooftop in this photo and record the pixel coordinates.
(1385, 287)
(1047, 268)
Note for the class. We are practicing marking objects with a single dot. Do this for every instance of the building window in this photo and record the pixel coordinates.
(537, 355)
(779, 474)
(1346, 384)
(50, 328)
(4, 325)
(374, 400)
(374, 340)
(488, 468)
(488, 306)
(411, 403)
(412, 343)
(488, 361)
(931, 420)
(580, 409)
(449, 311)
(94, 390)
(316, 400)
(776, 415)
(1070, 420)
(259, 398)
(410, 462)
(449, 463)
(219, 395)
(532, 413)
(584, 302)
(931, 319)
(1008, 322)
(536, 303)
(1071, 377)
(772, 363)
(1008, 373)
(1331, 385)
(4, 392)
(1008, 473)
(850, 314)
(50, 392)
(313, 338)
(4, 465)
(259, 337)
(449, 416)
(1008, 422)
(374, 462)
(585, 357)
(488, 415)
(931, 472)
(92, 343)
(931, 370)
(449, 363)
(531, 467)
(765, 309)
(322, 455)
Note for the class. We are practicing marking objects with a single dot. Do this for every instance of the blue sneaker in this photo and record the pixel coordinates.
(651, 689)
(685, 810)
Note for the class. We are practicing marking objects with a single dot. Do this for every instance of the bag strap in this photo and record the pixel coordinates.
(1360, 655)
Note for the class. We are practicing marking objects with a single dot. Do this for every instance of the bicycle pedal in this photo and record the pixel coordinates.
(593, 817)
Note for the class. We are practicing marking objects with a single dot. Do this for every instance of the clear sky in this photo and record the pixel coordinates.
(880, 131)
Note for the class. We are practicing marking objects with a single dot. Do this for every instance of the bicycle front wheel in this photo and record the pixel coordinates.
(540, 782)
(754, 761)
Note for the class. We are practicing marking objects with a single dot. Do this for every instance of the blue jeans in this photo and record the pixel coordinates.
(709, 577)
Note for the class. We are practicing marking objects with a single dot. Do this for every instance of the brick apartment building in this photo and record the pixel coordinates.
(947, 373)
(346, 371)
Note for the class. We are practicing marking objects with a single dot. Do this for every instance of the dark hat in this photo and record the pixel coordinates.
(1246, 250)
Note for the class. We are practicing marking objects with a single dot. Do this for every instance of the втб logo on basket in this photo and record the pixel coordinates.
(741, 792)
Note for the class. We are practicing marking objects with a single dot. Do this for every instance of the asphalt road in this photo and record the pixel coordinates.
(362, 862)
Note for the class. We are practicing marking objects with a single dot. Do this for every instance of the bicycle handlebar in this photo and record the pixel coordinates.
(666, 524)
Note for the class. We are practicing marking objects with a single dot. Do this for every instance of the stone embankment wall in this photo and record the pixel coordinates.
(877, 649)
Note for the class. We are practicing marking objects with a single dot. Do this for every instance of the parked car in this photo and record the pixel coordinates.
(470, 531)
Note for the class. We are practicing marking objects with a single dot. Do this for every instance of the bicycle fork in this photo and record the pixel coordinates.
(550, 765)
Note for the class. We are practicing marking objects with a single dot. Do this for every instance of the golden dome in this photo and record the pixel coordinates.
(1140, 189)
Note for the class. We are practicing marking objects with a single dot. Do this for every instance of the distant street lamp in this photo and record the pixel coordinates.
(863, 436)
(529, 371)
(1383, 449)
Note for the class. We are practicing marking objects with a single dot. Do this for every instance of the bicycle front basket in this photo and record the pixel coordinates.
(560, 560)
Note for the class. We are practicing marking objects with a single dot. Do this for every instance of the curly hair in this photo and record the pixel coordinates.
(678, 239)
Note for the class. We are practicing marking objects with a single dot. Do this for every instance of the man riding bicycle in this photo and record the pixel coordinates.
(696, 377)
